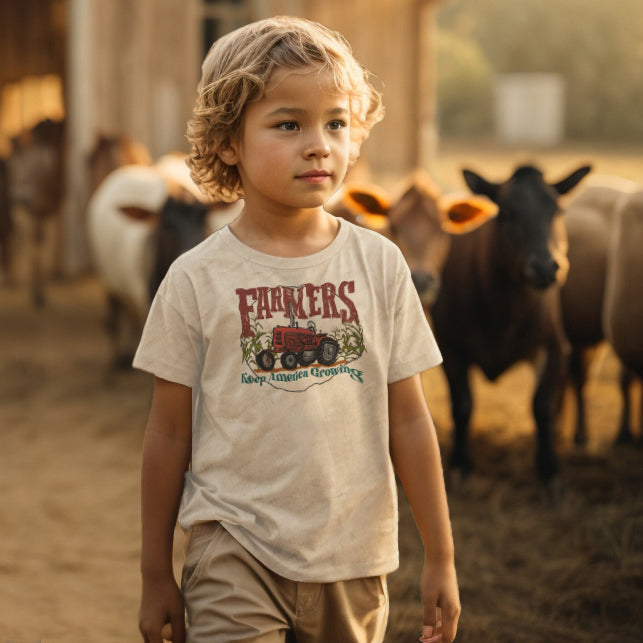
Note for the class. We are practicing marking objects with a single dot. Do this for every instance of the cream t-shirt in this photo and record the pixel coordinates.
(289, 361)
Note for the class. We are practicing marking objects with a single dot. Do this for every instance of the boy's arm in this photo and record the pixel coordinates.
(416, 459)
(166, 457)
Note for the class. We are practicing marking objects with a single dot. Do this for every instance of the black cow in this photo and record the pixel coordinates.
(181, 226)
(499, 303)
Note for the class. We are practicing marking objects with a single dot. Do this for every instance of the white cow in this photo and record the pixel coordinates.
(122, 222)
(121, 226)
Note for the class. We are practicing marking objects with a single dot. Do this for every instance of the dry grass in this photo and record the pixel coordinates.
(530, 570)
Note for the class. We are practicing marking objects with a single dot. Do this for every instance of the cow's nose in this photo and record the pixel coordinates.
(541, 273)
(427, 286)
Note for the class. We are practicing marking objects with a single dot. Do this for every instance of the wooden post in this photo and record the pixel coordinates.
(427, 129)
(80, 110)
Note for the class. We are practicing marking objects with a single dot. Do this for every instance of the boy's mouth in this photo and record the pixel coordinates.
(314, 176)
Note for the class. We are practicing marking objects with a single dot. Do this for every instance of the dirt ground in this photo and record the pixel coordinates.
(71, 443)
(530, 571)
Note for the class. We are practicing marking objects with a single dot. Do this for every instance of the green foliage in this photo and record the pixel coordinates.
(464, 86)
(596, 45)
(250, 346)
(350, 338)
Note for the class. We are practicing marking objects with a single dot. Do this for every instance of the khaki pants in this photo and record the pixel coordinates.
(231, 596)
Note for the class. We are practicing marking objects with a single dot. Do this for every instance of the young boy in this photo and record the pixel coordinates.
(286, 350)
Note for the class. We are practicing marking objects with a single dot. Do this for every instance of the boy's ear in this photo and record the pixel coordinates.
(228, 153)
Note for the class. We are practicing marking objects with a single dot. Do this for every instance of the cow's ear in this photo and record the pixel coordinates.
(479, 185)
(564, 186)
(139, 214)
(464, 212)
(369, 205)
(367, 200)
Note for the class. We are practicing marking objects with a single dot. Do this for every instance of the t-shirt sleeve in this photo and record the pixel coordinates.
(171, 345)
(413, 348)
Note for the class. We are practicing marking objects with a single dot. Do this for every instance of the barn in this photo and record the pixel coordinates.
(133, 66)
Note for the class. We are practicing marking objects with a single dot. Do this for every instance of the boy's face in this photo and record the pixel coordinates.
(293, 153)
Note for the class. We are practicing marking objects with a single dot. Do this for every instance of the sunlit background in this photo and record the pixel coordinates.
(484, 84)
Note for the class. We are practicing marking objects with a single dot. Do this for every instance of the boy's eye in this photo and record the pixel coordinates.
(288, 126)
(336, 125)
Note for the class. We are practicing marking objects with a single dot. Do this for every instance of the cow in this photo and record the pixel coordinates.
(36, 179)
(173, 168)
(420, 221)
(499, 303)
(110, 152)
(139, 220)
(623, 306)
(589, 219)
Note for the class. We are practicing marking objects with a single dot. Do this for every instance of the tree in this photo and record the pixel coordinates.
(595, 45)
(464, 86)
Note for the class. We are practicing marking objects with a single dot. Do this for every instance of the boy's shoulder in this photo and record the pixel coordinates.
(213, 242)
(372, 240)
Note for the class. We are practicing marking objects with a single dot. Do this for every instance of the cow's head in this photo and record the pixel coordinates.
(181, 227)
(178, 226)
(531, 242)
(420, 222)
(110, 152)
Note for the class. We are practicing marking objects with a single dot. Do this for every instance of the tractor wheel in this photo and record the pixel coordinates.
(289, 361)
(306, 358)
(265, 360)
(327, 351)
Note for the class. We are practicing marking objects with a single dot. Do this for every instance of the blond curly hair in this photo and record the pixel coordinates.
(235, 72)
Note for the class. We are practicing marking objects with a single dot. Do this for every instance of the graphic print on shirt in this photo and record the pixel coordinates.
(293, 337)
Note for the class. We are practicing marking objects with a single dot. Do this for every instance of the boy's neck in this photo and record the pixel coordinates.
(298, 235)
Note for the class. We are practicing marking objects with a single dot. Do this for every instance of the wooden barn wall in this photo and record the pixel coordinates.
(144, 59)
(395, 40)
(142, 69)
(133, 67)
(383, 36)
(32, 38)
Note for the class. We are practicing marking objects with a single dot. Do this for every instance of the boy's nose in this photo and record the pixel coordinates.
(317, 148)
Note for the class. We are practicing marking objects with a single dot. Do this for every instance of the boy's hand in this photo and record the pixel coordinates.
(162, 603)
(441, 600)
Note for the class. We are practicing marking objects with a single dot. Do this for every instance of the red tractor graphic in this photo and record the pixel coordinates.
(298, 346)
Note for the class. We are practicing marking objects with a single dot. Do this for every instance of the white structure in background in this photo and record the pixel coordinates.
(530, 108)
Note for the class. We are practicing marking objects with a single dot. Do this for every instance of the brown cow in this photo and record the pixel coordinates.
(36, 180)
(499, 303)
(623, 307)
(589, 219)
(110, 152)
(421, 222)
